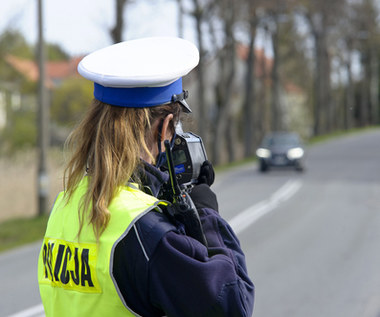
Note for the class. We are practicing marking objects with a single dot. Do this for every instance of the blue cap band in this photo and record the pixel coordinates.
(137, 97)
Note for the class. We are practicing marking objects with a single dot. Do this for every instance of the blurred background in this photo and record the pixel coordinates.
(309, 68)
(266, 65)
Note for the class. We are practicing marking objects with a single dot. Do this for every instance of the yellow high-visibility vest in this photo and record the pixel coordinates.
(75, 277)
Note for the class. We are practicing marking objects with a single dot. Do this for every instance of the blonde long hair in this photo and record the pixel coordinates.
(108, 144)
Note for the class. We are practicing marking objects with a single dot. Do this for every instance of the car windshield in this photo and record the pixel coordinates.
(281, 139)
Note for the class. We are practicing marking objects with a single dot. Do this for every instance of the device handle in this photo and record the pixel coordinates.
(183, 205)
(173, 178)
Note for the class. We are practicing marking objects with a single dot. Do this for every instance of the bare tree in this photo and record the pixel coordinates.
(249, 99)
(200, 13)
(225, 122)
(368, 45)
(274, 13)
(321, 16)
(329, 33)
(345, 43)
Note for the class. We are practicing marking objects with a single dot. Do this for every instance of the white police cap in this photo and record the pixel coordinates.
(141, 73)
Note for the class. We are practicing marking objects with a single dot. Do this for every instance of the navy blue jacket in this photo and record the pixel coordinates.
(160, 271)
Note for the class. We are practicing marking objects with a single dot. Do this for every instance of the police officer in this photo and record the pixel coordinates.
(110, 248)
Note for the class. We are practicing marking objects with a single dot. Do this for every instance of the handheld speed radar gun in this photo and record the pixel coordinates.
(188, 156)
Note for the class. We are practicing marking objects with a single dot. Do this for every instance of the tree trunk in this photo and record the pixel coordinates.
(327, 104)
(202, 111)
(318, 20)
(322, 106)
(224, 90)
(117, 30)
(365, 89)
(276, 107)
(349, 104)
(223, 100)
(249, 102)
(374, 86)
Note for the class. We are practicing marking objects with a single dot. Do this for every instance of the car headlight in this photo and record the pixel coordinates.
(295, 153)
(263, 153)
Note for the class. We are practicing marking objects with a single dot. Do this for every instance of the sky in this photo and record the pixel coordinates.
(81, 26)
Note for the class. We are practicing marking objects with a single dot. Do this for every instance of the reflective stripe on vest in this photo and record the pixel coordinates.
(75, 277)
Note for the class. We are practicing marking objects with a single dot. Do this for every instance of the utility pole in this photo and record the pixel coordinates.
(42, 121)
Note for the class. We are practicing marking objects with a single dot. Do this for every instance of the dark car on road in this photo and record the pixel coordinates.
(281, 149)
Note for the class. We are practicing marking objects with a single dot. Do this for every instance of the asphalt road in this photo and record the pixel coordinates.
(318, 252)
(312, 239)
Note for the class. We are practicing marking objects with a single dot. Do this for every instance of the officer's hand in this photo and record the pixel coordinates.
(203, 197)
(207, 174)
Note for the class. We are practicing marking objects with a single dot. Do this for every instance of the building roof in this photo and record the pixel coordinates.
(55, 70)
(63, 69)
(26, 67)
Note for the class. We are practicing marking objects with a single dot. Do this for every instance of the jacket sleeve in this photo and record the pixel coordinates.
(160, 271)
(188, 279)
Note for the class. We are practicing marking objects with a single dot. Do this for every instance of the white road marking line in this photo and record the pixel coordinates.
(34, 311)
(250, 215)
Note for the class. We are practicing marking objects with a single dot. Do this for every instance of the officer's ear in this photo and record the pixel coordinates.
(166, 132)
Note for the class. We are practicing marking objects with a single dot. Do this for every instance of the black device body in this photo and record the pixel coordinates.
(188, 156)
(182, 207)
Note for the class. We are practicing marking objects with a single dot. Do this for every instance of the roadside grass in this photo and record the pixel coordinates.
(18, 232)
(338, 134)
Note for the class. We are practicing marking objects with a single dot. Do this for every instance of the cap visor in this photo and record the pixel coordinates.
(185, 106)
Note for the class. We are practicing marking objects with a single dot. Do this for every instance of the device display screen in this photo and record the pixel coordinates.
(179, 157)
